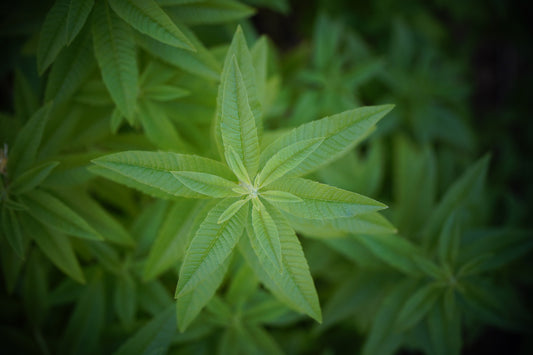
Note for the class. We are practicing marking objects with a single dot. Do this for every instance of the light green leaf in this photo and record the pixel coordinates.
(243, 285)
(53, 213)
(209, 12)
(56, 247)
(232, 209)
(71, 69)
(259, 54)
(151, 172)
(294, 284)
(280, 196)
(165, 92)
(237, 166)
(237, 122)
(12, 231)
(147, 17)
(418, 305)
(320, 201)
(286, 159)
(239, 50)
(125, 299)
(154, 337)
(341, 132)
(158, 127)
(207, 184)
(201, 62)
(114, 47)
(24, 150)
(53, 35)
(78, 11)
(210, 248)
(174, 235)
(32, 178)
(265, 235)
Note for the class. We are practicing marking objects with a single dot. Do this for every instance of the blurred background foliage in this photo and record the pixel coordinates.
(452, 161)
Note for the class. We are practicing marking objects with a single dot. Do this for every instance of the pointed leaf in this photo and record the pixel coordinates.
(280, 196)
(286, 159)
(232, 209)
(237, 122)
(56, 247)
(236, 165)
(24, 151)
(53, 213)
(12, 231)
(158, 127)
(125, 299)
(78, 11)
(32, 178)
(147, 17)
(25, 99)
(210, 248)
(294, 284)
(418, 305)
(114, 47)
(320, 201)
(165, 92)
(449, 240)
(341, 133)
(150, 172)
(207, 184)
(209, 12)
(53, 35)
(265, 235)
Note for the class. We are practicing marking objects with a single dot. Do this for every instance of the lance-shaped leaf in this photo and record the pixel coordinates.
(125, 299)
(232, 209)
(207, 184)
(237, 123)
(418, 305)
(53, 213)
(209, 12)
(114, 47)
(449, 240)
(24, 150)
(158, 127)
(239, 50)
(294, 284)
(56, 247)
(31, 178)
(150, 172)
(265, 235)
(210, 248)
(321, 201)
(234, 161)
(12, 231)
(286, 159)
(341, 133)
(78, 11)
(70, 70)
(165, 92)
(280, 196)
(147, 17)
(53, 35)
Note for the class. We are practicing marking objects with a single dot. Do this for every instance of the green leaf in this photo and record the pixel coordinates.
(78, 11)
(236, 165)
(71, 69)
(418, 305)
(150, 172)
(444, 330)
(449, 240)
(147, 17)
(210, 248)
(13, 232)
(232, 209)
(201, 62)
(32, 178)
(280, 196)
(238, 50)
(259, 54)
(294, 284)
(56, 247)
(341, 132)
(165, 92)
(174, 235)
(207, 184)
(237, 121)
(265, 235)
(320, 201)
(125, 299)
(53, 213)
(209, 12)
(286, 160)
(24, 151)
(114, 47)
(154, 337)
(53, 35)
(158, 127)
(25, 100)
(189, 305)
(460, 193)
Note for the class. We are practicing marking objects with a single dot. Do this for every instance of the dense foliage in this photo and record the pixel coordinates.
(174, 182)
